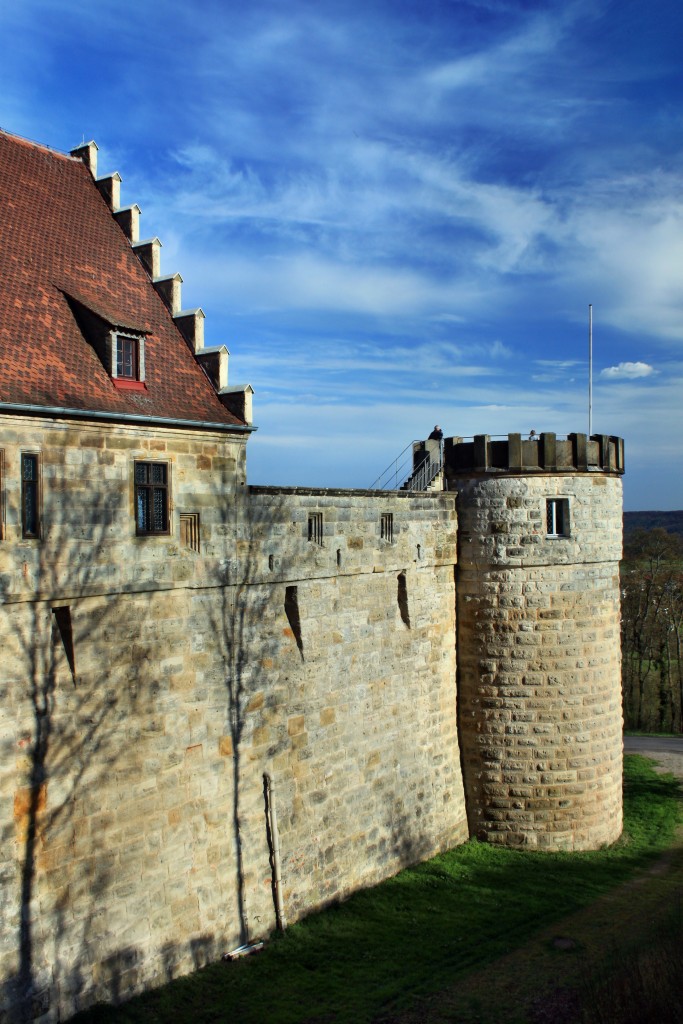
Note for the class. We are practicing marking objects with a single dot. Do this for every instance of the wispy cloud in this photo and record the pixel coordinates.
(399, 214)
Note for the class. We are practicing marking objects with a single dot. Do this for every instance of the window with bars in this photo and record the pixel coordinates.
(557, 517)
(151, 497)
(315, 528)
(386, 526)
(189, 530)
(30, 495)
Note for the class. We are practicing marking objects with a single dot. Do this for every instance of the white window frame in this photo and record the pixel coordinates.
(557, 517)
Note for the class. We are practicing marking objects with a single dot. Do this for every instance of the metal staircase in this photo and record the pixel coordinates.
(403, 475)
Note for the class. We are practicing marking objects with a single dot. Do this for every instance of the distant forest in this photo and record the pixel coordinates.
(672, 522)
(652, 621)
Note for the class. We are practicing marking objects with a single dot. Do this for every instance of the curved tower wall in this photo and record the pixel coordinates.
(539, 639)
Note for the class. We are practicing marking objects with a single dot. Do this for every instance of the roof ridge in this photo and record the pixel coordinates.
(38, 145)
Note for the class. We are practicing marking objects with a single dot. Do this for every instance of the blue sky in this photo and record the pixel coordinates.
(396, 214)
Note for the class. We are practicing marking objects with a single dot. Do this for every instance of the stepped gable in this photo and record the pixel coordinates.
(67, 260)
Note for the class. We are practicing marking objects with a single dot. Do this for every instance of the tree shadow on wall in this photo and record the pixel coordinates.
(406, 843)
(79, 723)
(62, 714)
(249, 619)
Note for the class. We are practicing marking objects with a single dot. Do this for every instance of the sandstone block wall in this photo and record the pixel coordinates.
(368, 769)
(88, 542)
(539, 659)
(108, 831)
(135, 730)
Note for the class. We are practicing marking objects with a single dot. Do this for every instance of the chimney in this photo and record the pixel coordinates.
(128, 219)
(149, 255)
(190, 323)
(87, 152)
(237, 399)
(110, 190)
(168, 289)
(214, 362)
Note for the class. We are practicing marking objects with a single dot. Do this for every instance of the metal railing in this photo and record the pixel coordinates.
(397, 472)
(423, 475)
(400, 474)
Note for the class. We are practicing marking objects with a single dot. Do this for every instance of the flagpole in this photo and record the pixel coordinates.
(590, 369)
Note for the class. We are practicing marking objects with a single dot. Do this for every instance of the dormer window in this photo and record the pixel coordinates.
(128, 360)
(119, 344)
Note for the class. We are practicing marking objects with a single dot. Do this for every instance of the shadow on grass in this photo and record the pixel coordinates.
(416, 933)
(646, 986)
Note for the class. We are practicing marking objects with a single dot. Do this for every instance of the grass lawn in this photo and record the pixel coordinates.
(422, 932)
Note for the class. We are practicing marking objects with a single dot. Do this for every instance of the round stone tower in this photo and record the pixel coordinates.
(540, 538)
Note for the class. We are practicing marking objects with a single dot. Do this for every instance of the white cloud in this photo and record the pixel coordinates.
(627, 371)
(295, 280)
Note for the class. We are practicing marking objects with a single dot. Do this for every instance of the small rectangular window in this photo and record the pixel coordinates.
(30, 496)
(189, 530)
(557, 517)
(127, 358)
(315, 528)
(127, 353)
(151, 497)
(386, 526)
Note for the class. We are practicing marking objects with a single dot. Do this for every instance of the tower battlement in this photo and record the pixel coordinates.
(544, 452)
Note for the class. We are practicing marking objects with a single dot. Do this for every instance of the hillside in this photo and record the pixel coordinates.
(670, 521)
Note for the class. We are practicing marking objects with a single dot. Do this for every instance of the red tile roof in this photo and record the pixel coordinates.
(57, 238)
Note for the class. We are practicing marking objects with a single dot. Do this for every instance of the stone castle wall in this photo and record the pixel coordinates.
(135, 841)
(539, 659)
(368, 769)
(110, 832)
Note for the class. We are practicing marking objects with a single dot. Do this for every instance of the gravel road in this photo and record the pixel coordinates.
(667, 751)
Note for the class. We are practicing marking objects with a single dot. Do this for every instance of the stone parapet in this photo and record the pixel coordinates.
(359, 531)
(541, 453)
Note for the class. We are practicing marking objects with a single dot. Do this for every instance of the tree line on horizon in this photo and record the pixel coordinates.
(671, 521)
(652, 630)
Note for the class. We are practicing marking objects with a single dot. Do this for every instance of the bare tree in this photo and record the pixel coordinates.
(652, 616)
